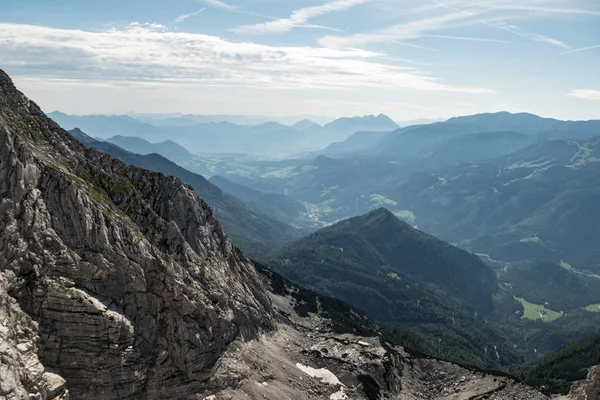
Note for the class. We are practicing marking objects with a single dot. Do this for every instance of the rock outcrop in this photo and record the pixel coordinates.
(119, 280)
(308, 357)
(588, 389)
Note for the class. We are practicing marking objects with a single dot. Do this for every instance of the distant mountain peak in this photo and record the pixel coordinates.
(77, 131)
(305, 124)
(323, 161)
(380, 219)
(384, 117)
(366, 122)
(381, 212)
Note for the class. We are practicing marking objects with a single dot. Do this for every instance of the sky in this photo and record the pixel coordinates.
(409, 59)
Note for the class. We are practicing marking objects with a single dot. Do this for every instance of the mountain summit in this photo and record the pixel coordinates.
(378, 243)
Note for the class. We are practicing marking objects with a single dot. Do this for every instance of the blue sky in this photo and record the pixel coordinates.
(406, 58)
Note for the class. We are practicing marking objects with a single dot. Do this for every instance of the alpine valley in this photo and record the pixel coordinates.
(353, 259)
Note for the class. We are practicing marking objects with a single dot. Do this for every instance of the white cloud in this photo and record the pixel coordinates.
(581, 49)
(462, 13)
(150, 55)
(183, 17)
(299, 18)
(585, 94)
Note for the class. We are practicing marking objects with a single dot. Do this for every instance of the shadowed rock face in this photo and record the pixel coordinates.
(119, 279)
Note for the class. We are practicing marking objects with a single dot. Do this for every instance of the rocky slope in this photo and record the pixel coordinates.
(255, 232)
(308, 357)
(119, 283)
(120, 279)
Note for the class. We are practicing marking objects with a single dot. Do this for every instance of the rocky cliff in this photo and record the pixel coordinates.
(118, 283)
(117, 279)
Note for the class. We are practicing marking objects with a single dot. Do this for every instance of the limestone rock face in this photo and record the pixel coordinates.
(115, 282)
(588, 389)
(306, 359)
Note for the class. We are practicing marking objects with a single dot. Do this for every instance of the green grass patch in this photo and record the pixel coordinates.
(569, 267)
(566, 265)
(533, 239)
(393, 275)
(287, 172)
(536, 312)
(593, 308)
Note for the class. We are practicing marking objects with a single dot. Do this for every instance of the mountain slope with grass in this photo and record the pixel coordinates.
(379, 241)
(539, 202)
(405, 278)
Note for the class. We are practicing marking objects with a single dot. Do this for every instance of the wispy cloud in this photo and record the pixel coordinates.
(581, 49)
(545, 39)
(473, 12)
(471, 39)
(543, 9)
(230, 7)
(397, 33)
(535, 37)
(299, 18)
(221, 4)
(585, 94)
(183, 17)
(142, 55)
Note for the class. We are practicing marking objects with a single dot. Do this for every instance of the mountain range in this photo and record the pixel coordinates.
(118, 282)
(268, 138)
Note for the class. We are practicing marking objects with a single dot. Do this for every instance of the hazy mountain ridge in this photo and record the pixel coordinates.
(419, 141)
(537, 201)
(168, 148)
(267, 138)
(275, 205)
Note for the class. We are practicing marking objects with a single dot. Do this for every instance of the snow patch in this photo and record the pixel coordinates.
(324, 374)
(339, 395)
